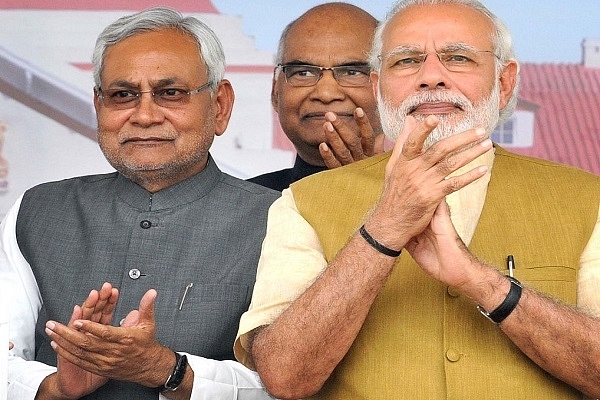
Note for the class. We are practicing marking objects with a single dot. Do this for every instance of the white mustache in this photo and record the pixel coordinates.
(434, 96)
(484, 114)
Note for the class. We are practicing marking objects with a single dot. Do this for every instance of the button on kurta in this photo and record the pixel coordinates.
(452, 292)
(453, 355)
(145, 224)
(134, 273)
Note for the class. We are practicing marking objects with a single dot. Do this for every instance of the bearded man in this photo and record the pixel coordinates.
(339, 313)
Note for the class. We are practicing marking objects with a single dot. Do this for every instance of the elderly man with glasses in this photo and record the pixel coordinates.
(160, 256)
(447, 269)
(322, 91)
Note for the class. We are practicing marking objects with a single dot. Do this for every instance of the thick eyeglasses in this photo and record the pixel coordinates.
(409, 62)
(169, 97)
(308, 75)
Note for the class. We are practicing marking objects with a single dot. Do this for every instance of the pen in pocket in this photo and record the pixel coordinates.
(510, 263)
(188, 287)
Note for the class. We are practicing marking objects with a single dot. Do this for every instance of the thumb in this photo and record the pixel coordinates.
(131, 319)
(147, 307)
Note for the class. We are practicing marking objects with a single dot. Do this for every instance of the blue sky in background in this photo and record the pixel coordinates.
(543, 31)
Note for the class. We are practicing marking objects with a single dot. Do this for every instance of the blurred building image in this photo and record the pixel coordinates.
(558, 114)
(47, 120)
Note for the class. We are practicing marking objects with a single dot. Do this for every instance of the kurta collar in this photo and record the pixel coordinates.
(179, 194)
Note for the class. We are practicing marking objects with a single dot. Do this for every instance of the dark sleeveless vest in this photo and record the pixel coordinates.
(422, 340)
(207, 230)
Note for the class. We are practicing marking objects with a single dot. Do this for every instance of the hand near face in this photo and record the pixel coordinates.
(344, 146)
(70, 380)
(417, 180)
(127, 353)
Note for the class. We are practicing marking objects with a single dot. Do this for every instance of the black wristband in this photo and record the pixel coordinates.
(177, 375)
(376, 245)
(508, 305)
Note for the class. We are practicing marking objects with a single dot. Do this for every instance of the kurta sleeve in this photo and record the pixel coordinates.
(291, 259)
(588, 282)
(21, 296)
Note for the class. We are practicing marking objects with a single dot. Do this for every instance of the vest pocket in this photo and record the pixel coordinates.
(554, 280)
(208, 319)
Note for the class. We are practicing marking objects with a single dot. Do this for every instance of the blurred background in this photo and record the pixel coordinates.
(47, 121)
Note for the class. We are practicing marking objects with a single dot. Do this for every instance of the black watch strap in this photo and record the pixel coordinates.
(508, 305)
(177, 375)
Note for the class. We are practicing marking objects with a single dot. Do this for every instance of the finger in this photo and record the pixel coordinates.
(77, 314)
(328, 157)
(106, 306)
(104, 295)
(343, 139)
(67, 337)
(94, 304)
(340, 149)
(99, 305)
(367, 135)
(106, 333)
(458, 158)
(379, 144)
(411, 245)
(389, 144)
(93, 362)
(89, 305)
(455, 183)
(454, 144)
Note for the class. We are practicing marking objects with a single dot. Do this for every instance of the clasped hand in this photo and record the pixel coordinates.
(417, 180)
(90, 351)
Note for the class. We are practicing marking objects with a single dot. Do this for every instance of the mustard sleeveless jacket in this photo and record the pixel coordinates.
(421, 340)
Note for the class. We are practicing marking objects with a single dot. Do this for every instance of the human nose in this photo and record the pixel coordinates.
(432, 74)
(146, 111)
(327, 89)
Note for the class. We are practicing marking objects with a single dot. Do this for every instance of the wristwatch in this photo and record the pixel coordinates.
(508, 305)
(177, 375)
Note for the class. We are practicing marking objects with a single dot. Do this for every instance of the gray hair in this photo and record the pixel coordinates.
(501, 41)
(282, 39)
(154, 19)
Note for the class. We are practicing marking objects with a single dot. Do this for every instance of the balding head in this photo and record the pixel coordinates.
(346, 18)
(326, 36)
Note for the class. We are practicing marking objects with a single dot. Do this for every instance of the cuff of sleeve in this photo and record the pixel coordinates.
(227, 380)
(25, 377)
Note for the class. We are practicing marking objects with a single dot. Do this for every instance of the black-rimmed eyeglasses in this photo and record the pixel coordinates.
(303, 75)
(169, 97)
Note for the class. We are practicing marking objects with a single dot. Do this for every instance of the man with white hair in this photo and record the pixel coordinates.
(130, 285)
(370, 274)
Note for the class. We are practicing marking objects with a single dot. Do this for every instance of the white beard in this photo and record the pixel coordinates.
(485, 114)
